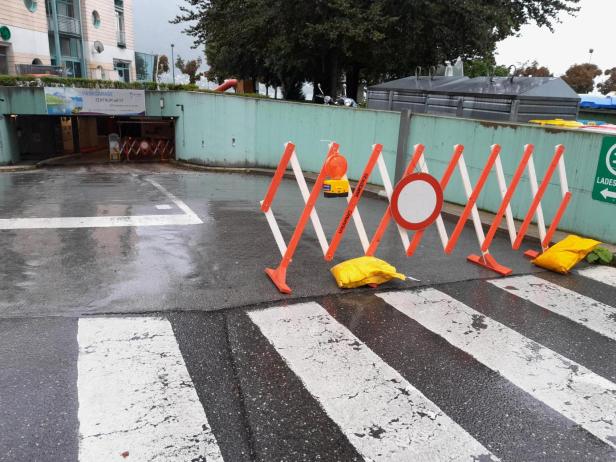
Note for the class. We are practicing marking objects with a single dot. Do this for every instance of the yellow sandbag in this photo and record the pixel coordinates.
(363, 271)
(566, 254)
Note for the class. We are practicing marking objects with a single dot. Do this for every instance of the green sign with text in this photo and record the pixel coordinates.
(604, 189)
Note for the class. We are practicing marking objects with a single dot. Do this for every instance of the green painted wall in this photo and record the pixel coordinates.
(584, 215)
(235, 131)
(9, 153)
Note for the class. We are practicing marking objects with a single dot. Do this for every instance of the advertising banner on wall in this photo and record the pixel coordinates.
(93, 101)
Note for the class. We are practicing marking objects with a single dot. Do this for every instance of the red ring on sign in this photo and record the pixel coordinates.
(396, 195)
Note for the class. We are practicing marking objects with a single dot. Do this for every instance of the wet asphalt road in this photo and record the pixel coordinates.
(214, 265)
(254, 399)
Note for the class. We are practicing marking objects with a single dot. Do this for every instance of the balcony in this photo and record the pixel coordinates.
(66, 25)
(39, 69)
(121, 36)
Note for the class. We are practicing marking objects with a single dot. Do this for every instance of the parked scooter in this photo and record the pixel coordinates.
(339, 101)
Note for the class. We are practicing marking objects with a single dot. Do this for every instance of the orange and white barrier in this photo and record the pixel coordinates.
(415, 203)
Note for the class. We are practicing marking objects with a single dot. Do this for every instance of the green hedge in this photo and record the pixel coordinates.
(28, 81)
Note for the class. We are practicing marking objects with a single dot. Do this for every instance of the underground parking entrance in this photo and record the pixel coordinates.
(94, 139)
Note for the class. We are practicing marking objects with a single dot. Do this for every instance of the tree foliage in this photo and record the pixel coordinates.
(581, 77)
(286, 43)
(163, 65)
(533, 69)
(190, 68)
(480, 67)
(609, 85)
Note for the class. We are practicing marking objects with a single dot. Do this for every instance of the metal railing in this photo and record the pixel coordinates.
(39, 69)
(66, 24)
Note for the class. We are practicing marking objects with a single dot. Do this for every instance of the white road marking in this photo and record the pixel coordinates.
(382, 415)
(163, 207)
(601, 273)
(135, 394)
(179, 203)
(187, 218)
(584, 310)
(97, 222)
(576, 392)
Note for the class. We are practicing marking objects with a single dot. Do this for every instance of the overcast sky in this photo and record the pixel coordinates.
(569, 44)
(592, 27)
(154, 34)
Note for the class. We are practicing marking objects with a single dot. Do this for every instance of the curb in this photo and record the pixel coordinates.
(18, 168)
(36, 165)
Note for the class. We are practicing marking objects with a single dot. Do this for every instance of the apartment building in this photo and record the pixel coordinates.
(75, 38)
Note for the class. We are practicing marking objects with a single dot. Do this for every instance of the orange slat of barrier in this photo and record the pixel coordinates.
(378, 235)
(279, 275)
(557, 217)
(282, 167)
(560, 149)
(453, 240)
(357, 193)
(517, 176)
(458, 150)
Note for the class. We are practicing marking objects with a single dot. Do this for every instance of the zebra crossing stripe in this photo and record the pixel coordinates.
(383, 416)
(571, 389)
(600, 273)
(135, 395)
(584, 310)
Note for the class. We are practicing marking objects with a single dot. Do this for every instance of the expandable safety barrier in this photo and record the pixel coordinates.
(397, 198)
(133, 148)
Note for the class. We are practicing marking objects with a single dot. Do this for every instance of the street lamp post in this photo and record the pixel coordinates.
(173, 63)
(591, 51)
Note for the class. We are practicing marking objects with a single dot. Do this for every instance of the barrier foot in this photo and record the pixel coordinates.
(488, 261)
(279, 278)
(532, 254)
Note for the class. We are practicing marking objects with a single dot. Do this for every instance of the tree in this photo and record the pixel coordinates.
(483, 67)
(533, 70)
(163, 65)
(581, 77)
(282, 42)
(609, 85)
(190, 68)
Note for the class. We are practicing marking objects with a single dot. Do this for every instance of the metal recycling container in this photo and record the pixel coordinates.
(515, 99)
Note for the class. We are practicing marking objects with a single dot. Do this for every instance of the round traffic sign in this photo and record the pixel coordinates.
(417, 201)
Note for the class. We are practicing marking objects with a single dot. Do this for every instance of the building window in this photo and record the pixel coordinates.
(66, 8)
(120, 29)
(32, 5)
(4, 62)
(73, 68)
(123, 70)
(96, 19)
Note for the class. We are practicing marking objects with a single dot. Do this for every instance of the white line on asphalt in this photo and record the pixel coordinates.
(576, 392)
(584, 310)
(163, 207)
(180, 204)
(382, 415)
(187, 218)
(135, 394)
(97, 222)
(601, 273)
